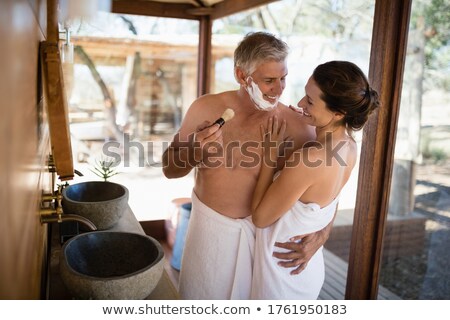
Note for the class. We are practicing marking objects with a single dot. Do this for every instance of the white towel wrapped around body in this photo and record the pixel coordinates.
(271, 281)
(218, 256)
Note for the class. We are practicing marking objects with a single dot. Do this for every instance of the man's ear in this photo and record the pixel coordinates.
(240, 76)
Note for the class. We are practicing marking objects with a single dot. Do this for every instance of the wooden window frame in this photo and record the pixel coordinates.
(387, 61)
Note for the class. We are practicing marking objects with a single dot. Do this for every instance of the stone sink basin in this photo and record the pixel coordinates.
(111, 265)
(103, 203)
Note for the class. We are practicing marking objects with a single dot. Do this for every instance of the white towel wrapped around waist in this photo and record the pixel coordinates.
(218, 256)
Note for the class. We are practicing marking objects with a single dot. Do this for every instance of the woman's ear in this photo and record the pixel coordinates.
(339, 116)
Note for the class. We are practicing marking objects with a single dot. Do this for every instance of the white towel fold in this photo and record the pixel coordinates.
(218, 256)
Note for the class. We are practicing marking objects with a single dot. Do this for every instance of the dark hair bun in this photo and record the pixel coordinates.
(345, 89)
(355, 118)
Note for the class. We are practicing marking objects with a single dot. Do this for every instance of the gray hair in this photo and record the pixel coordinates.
(256, 48)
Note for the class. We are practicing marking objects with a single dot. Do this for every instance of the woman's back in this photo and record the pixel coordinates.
(331, 166)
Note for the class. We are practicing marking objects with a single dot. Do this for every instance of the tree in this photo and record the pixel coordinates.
(109, 102)
(436, 16)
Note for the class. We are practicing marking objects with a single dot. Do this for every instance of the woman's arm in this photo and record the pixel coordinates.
(271, 199)
(270, 144)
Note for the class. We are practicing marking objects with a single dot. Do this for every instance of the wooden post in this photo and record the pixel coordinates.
(389, 39)
(204, 56)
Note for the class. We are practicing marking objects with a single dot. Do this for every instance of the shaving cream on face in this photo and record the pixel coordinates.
(257, 96)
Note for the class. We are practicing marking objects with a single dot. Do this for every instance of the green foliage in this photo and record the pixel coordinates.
(104, 168)
(431, 146)
(436, 155)
(312, 17)
(437, 17)
(62, 185)
(434, 15)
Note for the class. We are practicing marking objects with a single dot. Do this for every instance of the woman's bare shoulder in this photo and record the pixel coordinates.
(306, 158)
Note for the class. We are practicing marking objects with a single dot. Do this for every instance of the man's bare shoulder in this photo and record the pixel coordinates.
(208, 107)
(216, 100)
(296, 127)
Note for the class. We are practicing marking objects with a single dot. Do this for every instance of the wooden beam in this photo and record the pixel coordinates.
(117, 48)
(229, 7)
(52, 21)
(204, 56)
(153, 9)
(387, 59)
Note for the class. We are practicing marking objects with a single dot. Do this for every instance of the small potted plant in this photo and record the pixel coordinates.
(104, 168)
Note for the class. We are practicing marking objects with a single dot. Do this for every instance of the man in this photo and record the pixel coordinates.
(217, 258)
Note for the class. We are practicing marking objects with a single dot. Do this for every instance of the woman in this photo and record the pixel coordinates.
(303, 198)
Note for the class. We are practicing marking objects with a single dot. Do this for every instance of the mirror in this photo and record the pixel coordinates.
(57, 111)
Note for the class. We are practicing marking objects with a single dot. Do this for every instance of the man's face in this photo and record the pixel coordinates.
(270, 78)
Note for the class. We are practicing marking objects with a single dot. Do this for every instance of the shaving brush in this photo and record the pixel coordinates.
(227, 115)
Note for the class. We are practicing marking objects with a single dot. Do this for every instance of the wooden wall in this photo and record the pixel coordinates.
(24, 142)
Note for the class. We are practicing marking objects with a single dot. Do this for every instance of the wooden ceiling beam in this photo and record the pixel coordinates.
(154, 9)
(184, 10)
(98, 47)
(229, 7)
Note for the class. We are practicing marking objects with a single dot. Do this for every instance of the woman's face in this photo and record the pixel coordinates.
(315, 111)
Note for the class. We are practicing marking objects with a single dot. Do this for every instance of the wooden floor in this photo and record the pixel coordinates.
(336, 278)
(173, 273)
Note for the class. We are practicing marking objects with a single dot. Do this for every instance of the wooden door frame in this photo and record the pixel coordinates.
(387, 61)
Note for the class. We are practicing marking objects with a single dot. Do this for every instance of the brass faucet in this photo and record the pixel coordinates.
(56, 214)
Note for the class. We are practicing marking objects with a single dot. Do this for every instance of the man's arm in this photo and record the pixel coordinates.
(302, 251)
(179, 159)
(184, 154)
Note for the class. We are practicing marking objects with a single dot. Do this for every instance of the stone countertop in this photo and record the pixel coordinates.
(165, 290)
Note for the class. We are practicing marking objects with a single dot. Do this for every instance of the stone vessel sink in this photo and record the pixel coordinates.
(111, 265)
(101, 202)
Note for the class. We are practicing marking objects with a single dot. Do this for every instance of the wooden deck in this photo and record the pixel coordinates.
(335, 268)
(336, 280)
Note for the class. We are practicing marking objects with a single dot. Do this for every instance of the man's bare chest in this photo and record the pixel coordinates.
(242, 146)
